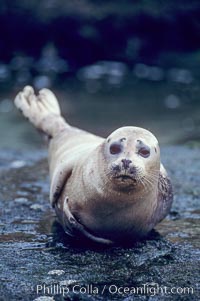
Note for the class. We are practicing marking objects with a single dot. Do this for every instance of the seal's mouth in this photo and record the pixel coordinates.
(124, 178)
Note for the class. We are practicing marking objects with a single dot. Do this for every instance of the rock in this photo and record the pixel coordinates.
(21, 201)
(36, 207)
(56, 272)
(128, 32)
(44, 298)
(17, 164)
(40, 262)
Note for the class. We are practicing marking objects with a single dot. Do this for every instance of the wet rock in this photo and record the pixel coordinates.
(36, 207)
(21, 201)
(182, 76)
(40, 262)
(4, 73)
(17, 164)
(112, 30)
(50, 62)
(153, 73)
(56, 272)
(102, 73)
(44, 298)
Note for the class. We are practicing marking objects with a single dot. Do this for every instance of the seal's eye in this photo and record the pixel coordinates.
(144, 151)
(115, 148)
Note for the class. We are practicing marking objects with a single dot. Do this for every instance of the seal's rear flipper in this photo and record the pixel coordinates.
(42, 110)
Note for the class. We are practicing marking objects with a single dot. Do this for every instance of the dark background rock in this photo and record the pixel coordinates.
(86, 31)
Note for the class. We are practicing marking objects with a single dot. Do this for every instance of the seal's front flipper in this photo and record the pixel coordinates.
(59, 178)
(72, 226)
(42, 110)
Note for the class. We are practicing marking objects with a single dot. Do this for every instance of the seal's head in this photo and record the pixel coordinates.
(132, 158)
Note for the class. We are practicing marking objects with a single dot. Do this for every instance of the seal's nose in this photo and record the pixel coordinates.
(126, 163)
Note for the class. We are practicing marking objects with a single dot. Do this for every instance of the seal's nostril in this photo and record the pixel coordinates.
(133, 170)
(116, 168)
(126, 163)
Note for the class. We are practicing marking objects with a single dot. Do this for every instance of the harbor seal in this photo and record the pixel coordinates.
(109, 190)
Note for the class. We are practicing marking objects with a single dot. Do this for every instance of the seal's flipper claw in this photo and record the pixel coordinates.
(28, 90)
(49, 99)
(22, 104)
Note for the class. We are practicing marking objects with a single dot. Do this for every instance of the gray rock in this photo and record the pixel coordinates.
(33, 244)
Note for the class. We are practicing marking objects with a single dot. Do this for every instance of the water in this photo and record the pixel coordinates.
(101, 101)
